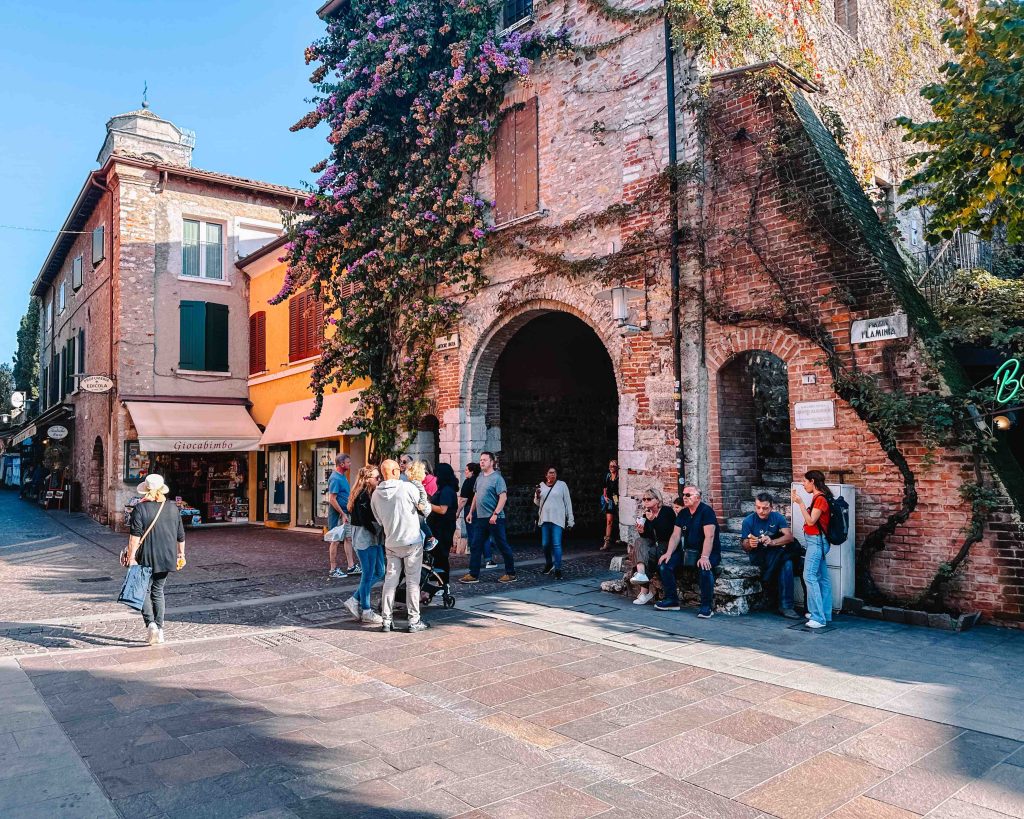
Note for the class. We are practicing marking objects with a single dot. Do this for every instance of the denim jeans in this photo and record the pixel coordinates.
(468, 534)
(816, 576)
(480, 530)
(153, 603)
(786, 584)
(371, 560)
(705, 577)
(551, 542)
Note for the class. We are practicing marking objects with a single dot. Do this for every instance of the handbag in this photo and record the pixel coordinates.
(540, 510)
(137, 579)
(690, 558)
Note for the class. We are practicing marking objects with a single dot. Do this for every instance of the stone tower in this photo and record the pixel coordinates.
(145, 134)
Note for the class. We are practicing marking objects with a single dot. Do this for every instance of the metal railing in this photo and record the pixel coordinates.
(937, 265)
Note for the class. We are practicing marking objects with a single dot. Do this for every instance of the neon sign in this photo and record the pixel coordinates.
(1008, 381)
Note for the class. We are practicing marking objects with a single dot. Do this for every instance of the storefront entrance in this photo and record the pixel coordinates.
(314, 466)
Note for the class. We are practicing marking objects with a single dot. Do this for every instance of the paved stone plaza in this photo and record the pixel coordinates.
(543, 700)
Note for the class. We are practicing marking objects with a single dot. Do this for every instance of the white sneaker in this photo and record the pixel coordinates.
(807, 615)
(643, 598)
(159, 635)
(490, 564)
(353, 608)
(370, 616)
(640, 579)
(814, 624)
(152, 634)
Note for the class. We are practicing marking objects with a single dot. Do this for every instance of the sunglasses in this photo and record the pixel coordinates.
(648, 497)
(690, 495)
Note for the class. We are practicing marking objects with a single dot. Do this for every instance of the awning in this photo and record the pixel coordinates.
(24, 435)
(288, 423)
(167, 427)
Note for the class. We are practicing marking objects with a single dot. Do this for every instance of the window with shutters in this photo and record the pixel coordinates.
(257, 342)
(99, 252)
(846, 16)
(204, 337)
(44, 388)
(81, 351)
(70, 366)
(305, 326)
(62, 297)
(77, 277)
(516, 164)
(202, 250)
(515, 11)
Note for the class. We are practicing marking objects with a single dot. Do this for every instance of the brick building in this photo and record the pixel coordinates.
(564, 369)
(141, 287)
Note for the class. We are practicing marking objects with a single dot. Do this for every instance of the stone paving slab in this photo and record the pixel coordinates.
(343, 720)
(897, 667)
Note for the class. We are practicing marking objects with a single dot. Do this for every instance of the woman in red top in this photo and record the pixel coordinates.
(816, 576)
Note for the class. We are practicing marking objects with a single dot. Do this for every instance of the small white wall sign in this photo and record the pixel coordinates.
(57, 432)
(879, 329)
(447, 342)
(95, 383)
(814, 414)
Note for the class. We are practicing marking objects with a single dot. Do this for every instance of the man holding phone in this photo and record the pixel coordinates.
(768, 540)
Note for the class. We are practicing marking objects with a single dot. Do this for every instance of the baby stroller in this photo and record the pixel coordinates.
(432, 581)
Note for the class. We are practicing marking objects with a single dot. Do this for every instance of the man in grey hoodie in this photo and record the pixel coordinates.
(394, 505)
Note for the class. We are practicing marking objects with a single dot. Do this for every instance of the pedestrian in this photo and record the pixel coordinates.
(768, 540)
(394, 506)
(443, 506)
(610, 504)
(654, 525)
(368, 543)
(404, 460)
(338, 491)
(466, 497)
(487, 518)
(157, 540)
(695, 543)
(816, 546)
(554, 516)
(416, 474)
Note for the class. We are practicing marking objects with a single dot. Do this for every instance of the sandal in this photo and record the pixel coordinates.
(606, 545)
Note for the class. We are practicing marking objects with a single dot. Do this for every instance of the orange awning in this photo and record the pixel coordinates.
(171, 427)
(288, 423)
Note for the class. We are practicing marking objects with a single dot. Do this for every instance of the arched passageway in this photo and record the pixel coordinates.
(552, 399)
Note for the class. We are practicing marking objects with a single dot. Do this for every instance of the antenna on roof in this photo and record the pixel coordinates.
(145, 94)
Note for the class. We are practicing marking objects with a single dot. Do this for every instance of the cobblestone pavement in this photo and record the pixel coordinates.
(61, 578)
(478, 717)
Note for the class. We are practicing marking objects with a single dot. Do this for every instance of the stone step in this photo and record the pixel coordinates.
(730, 542)
(734, 524)
(746, 507)
(777, 478)
(779, 464)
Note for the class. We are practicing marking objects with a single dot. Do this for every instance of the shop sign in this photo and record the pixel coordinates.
(447, 342)
(1008, 381)
(96, 383)
(814, 415)
(879, 329)
(197, 444)
(57, 432)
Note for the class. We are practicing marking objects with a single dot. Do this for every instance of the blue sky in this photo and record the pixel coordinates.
(231, 70)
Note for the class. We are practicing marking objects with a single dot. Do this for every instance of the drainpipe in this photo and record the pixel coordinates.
(677, 363)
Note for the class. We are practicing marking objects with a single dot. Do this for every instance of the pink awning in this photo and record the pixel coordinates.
(288, 423)
(172, 427)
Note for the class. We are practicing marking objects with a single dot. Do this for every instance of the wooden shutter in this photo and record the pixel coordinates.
(81, 351)
(294, 330)
(193, 336)
(98, 253)
(217, 338)
(257, 342)
(505, 170)
(316, 332)
(527, 200)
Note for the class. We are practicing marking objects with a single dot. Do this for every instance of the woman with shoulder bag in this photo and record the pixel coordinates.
(816, 520)
(554, 516)
(157, 540)
(367, 542)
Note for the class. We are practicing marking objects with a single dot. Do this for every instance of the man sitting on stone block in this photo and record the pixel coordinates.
(769, 543)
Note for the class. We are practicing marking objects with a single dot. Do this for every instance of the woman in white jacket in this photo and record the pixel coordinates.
(554, 516)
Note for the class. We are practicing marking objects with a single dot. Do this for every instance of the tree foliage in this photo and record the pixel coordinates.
(26, 358)
(971, 172)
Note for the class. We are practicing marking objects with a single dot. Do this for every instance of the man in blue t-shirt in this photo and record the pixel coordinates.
(486, 518)
(697, 532)
(337, 513)
(768, 540)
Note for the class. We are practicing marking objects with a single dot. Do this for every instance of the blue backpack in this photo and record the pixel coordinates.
(838, 521)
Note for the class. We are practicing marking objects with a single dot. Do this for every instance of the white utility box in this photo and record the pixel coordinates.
(842, 559)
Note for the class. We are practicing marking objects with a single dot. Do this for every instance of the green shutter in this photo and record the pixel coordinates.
(217, 338)
(193, 336)
(81, 351)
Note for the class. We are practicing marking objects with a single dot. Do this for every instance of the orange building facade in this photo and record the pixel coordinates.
(288, 474)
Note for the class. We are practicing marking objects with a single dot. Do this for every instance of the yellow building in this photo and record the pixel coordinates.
(288, 475)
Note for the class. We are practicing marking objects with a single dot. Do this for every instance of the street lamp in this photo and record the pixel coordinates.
(619, 297)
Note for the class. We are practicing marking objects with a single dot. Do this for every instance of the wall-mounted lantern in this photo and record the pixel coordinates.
(619, 297)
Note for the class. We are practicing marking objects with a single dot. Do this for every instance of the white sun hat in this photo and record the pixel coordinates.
(153, 483)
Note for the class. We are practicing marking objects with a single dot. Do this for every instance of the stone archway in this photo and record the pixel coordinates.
(545, 391)
(755, 452)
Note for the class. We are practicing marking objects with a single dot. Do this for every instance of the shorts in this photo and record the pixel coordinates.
(648, 551)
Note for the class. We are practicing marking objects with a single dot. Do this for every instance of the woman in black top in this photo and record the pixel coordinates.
(163, 549)
(466, 499)
(654, 525)
(610, 503)
(443, 513)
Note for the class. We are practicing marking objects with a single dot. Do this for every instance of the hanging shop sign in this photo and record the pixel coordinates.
(447, 342)
(96, 383)
(57, 432)
(879, 329)
(814, 414)
(1008, 381)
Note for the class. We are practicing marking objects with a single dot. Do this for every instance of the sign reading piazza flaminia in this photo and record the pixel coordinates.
(879, 329)
(96, 383)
